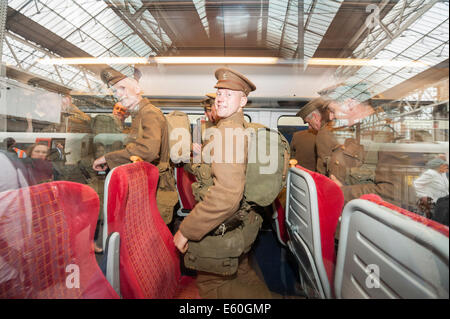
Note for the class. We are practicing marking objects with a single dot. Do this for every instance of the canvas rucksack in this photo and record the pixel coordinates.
(105, 123)
(178, 124)
(264, 181)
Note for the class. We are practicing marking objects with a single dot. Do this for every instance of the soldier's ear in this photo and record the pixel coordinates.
(136, 87)
(243, 100)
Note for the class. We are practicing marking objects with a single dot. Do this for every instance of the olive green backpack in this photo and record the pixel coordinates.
(177, 120)
(265, 179)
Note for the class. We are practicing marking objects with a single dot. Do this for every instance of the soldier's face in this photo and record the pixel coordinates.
(126, 92)
(229, 102)
(345, 111)
(209, 115)
(119, 111)
(314, 121)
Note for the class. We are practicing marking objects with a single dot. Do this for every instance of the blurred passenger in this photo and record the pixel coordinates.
(431, 186)
(148, 139)
(11, 147)
(38, 151)
(42, 170)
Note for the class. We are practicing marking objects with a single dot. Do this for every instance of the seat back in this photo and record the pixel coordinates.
(149, 263)
(47, 243)
(313, 206)
(184, 181)
(388, 252)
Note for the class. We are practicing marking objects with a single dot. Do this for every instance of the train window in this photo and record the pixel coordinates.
(288, 125)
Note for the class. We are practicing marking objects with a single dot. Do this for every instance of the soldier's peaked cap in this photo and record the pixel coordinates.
(209, 100)
(314, 104)
(110, 76)
(232, 80)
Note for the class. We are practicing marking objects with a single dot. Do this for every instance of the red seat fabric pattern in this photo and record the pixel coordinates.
(47, 243)
(184, 182)
(421, 219)
(149, 262)
(330, 203)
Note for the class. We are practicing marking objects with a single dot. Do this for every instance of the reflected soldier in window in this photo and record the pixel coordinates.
(148, 139)
(72, 119)
(384, 178)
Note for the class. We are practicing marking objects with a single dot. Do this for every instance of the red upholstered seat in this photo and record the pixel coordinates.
(184, 182)
(47, 243)
(330, 203)
(149, 262)
(423, 220)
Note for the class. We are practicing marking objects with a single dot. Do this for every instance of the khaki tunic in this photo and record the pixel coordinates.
(388, 179)
(326, 144)
(224, 197)
(303, 148)
(148, 137)
(335, 159)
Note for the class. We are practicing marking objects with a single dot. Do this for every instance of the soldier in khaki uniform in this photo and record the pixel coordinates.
(315, 114)
(202, 171)
(206, 235)
(148, 139)
(386, 181)
(303, 148)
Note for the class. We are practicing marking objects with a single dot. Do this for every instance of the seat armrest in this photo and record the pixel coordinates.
(112, 261)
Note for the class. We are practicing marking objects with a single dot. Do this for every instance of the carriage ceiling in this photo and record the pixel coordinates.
(406, 30)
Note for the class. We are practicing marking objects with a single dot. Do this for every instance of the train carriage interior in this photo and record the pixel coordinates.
(367, 219)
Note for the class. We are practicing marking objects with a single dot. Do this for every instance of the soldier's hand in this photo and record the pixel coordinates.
(180, 242)
(99, 164)
(334, 179)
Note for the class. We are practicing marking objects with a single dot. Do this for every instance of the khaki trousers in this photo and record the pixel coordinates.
(244, 284)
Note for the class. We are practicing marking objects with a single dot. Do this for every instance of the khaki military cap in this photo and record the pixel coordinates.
(110, 76)
(209, 101)
(232, 80)
(211, 95)
(314, 104)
